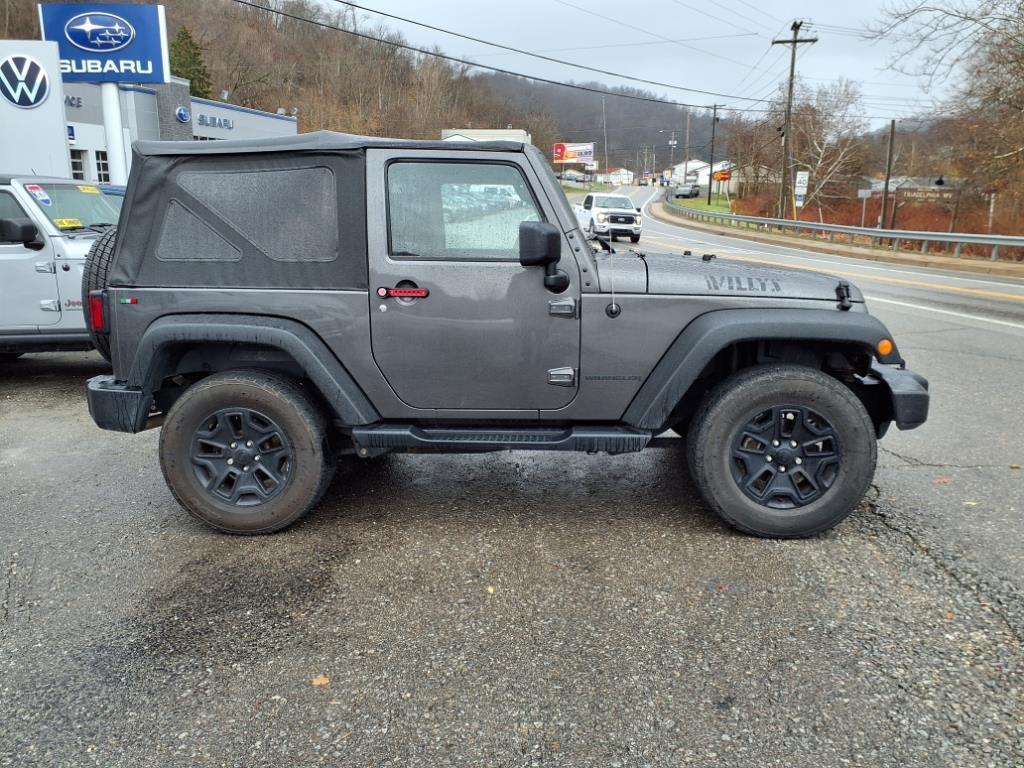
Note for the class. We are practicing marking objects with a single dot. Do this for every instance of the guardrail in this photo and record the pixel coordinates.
(874, 237)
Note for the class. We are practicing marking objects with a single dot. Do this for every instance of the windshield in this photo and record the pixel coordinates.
(613, 202)
(74, 206)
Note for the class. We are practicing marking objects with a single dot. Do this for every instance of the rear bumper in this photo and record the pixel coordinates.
(908, 393)
(114, 405)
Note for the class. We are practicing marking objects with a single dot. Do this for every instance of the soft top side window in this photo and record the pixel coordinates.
(457, 211)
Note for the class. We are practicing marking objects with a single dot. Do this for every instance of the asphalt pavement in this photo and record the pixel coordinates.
(523, 609)
(962, 470)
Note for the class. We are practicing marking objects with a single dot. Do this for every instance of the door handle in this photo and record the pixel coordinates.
(402, 293)
(46, 267)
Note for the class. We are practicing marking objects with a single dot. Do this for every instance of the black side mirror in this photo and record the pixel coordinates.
(587, 206)
(638, 210)
(540, 245)
(18, 231)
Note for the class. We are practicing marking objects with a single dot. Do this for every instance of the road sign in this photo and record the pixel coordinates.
(574, 153)
(864, 194)
(928, 194)
(721, 175)
(107, 43)
(800, 184)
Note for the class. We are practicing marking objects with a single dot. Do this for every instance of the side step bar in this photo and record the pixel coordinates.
(376, 439)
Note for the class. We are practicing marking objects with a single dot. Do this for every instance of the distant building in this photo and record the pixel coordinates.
(486, 134)
(619, 177)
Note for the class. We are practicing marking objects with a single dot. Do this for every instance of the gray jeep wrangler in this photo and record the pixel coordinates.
(278, 306)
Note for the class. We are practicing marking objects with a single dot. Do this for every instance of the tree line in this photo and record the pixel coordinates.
(368, 85)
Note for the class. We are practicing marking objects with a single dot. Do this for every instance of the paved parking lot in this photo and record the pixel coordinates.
(501, 610)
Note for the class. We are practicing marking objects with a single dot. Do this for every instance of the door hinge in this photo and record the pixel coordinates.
(562, 307)
(562, 377)
(46, 267)
(50, 305)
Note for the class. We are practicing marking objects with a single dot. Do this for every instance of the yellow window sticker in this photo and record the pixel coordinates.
(68, 223)
(88, 188)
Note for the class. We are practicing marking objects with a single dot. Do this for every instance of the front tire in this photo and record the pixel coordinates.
(246, 452)
(782, 451)
(634, 238)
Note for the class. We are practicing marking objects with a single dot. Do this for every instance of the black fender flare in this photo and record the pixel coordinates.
(708, 334)
(339, 390)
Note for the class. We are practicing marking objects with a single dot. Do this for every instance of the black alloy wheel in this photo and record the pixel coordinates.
(786, 457)
(241, 456)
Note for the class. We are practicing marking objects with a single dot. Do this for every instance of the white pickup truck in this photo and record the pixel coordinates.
(611, 215)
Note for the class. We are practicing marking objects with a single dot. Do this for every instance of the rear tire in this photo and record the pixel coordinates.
(95, 277)
(767, 482)
(246, 452)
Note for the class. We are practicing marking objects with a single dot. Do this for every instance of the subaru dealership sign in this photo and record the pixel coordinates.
(106, 43)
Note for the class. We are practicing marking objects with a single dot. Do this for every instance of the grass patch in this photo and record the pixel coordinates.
(719, 203)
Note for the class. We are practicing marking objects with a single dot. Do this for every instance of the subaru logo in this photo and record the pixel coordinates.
(23, 81)
(99, 32)
(183, 114)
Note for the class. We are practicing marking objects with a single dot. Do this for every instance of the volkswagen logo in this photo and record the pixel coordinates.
(99, 32)
(23, 81)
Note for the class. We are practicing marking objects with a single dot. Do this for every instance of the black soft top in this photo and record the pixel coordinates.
(315, 141)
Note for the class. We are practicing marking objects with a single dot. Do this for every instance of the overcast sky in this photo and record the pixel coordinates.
(722, 46)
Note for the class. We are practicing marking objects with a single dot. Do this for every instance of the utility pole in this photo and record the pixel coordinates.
(888, 173)
(672, 150)
(686, 157)
(604, 123)
(793, 42)
(711, 164)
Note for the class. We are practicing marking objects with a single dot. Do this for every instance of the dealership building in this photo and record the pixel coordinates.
(154, 112)
(72, 104)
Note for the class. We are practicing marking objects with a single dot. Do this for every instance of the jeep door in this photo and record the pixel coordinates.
(479, 331)
(27, 274)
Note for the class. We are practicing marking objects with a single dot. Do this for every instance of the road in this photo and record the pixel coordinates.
(522, 609)
(958, 480)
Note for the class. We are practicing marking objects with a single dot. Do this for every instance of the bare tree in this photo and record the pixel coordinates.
(828, 135)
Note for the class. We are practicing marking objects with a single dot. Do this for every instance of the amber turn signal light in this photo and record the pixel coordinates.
(884, 347)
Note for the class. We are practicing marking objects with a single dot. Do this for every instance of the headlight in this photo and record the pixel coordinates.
(639, 221)
(601, 218)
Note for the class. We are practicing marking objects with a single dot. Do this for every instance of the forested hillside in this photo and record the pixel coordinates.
(342, 82)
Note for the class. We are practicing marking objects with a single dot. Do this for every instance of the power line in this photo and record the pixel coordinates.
(762, 12)
(702, 12)
(551, 59)
(629, 45)
(472, 64)
(591, 12)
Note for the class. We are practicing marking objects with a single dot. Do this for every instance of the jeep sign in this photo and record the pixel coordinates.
(104, 43)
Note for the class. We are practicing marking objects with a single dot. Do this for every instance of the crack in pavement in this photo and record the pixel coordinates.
(918, 463)
(988, 596)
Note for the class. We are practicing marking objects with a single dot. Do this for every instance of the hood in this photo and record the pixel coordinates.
(74, 246)
(679, 275)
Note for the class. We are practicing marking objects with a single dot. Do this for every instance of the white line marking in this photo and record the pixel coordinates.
(824, 258)
(963, 315)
